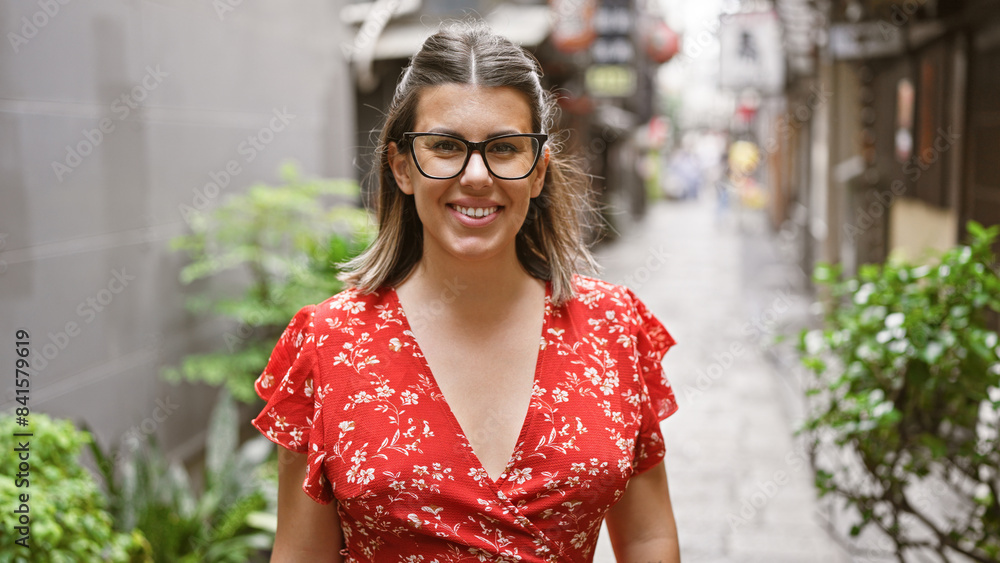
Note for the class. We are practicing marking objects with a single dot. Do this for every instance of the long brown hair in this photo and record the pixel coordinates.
(551, 243)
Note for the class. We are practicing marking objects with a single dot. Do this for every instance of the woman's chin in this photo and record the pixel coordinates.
(475, 250)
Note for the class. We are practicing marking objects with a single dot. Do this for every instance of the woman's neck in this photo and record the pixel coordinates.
(485, 285)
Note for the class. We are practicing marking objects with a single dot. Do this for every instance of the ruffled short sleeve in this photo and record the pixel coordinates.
(652, 341)
(292, 416)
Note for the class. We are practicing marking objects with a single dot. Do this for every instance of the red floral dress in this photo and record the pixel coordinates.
(348, 385)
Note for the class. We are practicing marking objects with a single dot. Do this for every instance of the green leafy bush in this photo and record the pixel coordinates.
(289, 240)
(909, 388)
(183, 525)
(68, 517)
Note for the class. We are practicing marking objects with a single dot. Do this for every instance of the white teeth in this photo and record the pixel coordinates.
(476, 211)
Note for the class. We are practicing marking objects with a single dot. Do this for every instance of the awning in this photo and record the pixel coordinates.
(802, 24)
(526, 26)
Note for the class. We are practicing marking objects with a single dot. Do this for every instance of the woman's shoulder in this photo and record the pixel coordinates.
(350, 307)
(352, 300)
(593, 293)
(619, 309)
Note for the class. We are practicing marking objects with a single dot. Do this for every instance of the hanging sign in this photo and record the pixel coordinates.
(751, 53)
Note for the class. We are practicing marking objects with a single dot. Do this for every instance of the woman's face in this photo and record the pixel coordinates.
(475, 215)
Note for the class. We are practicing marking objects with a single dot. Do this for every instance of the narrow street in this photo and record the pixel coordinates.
(740, 482)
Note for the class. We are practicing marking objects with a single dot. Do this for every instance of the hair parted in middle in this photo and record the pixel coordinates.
(551, 244)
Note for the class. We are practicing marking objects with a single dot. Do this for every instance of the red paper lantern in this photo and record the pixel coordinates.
(573, 27)
(661, 42)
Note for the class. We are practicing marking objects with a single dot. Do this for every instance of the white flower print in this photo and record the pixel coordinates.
(358, 457)
(341, 358)
(624, 465)
(478, 473)
(633, 398)
(572, 504)
(366, 476)
(520, 475)
(361, 397)
(384, 391)
(320, 394)
(438, 473)
(610, 383)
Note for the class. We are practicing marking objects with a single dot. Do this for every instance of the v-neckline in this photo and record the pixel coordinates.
(450, 414)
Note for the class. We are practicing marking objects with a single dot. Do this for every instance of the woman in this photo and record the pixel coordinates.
(470, 397)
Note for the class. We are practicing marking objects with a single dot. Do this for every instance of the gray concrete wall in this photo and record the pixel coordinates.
(112, 114)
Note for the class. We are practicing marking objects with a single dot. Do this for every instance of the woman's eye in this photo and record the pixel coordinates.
(503, 148)
(445, 146)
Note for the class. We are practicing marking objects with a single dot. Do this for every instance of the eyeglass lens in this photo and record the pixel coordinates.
(506, 157)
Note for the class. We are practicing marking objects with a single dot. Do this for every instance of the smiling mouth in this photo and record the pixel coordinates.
(475, 212)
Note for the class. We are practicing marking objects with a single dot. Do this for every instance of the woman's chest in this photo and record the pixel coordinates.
(389, 428)
(486, 388)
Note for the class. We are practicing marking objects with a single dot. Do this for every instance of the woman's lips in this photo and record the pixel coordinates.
(470, 221)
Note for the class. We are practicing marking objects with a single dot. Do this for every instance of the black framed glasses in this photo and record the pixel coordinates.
(441, 156)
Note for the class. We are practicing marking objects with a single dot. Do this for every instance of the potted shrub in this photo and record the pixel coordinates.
(908, 392)
(65, 512)
(288, 240)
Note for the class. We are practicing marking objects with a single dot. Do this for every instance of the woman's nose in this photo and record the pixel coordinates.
(476, 174)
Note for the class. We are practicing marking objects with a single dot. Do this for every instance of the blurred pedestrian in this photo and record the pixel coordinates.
(723, 187)
(471, 396)
(687, 171)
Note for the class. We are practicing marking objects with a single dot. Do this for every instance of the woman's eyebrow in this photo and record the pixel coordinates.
(505, 132)
(444, 130)
(448, 131)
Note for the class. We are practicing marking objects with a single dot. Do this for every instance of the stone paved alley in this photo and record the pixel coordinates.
(740, 483)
